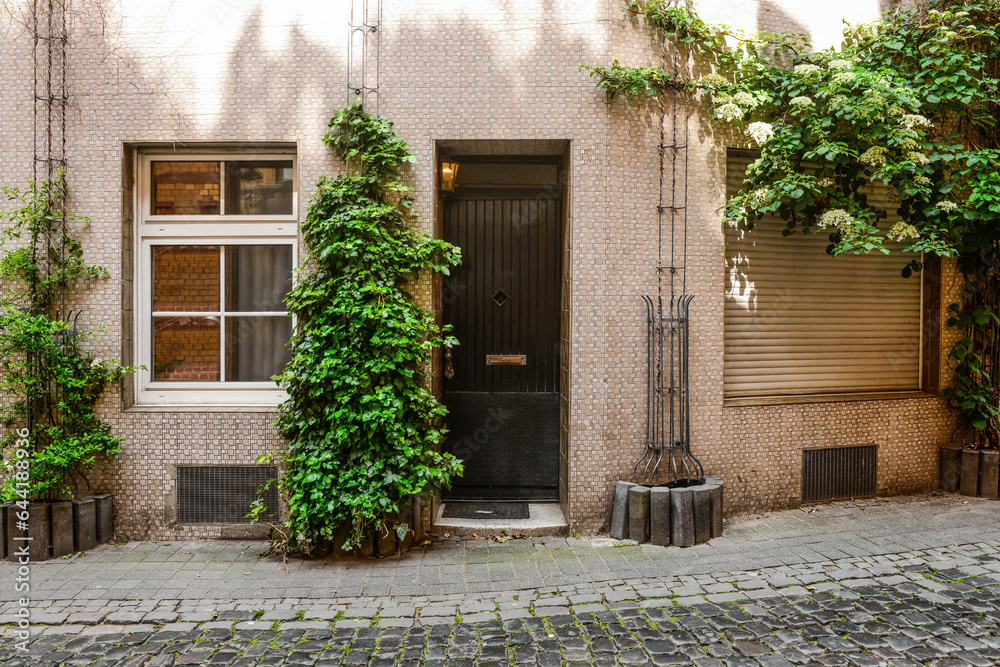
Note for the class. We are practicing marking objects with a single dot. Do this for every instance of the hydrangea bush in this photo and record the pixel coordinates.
(911, 102)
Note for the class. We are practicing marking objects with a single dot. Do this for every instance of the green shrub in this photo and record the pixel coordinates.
(363, 429)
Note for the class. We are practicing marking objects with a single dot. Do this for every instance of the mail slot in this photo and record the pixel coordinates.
(506, 360)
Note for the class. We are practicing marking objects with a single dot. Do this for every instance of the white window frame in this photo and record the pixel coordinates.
(209, 230)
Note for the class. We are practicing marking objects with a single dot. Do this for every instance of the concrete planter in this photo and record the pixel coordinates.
(682, 516)
(970, 472)
(56, 529)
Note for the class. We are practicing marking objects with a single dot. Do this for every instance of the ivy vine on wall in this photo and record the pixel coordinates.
(912, 102)
(362, 426)
(53, 380)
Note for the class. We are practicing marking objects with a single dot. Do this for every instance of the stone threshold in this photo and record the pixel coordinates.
(545, 519)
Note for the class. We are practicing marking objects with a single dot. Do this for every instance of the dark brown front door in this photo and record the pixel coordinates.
(503, 303)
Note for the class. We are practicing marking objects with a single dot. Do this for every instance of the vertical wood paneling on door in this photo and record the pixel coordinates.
(538, 214)
(555, 275)
(505, 280)
(509, 244)
(482, 327)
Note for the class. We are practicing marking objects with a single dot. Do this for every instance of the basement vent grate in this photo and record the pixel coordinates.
(222, 494)
(838, 473)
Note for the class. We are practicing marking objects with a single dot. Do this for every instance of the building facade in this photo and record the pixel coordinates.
(194, 143)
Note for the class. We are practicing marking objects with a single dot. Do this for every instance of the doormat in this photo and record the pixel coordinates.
(454, 510)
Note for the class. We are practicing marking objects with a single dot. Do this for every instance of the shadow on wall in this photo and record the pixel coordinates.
(118, 95)
(773, 18)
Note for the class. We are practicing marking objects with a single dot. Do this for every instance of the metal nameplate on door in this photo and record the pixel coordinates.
(506, 360)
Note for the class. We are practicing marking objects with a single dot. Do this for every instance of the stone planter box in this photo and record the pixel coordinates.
(380, 546)
(970, 472)
(682, 516)
(56, 529)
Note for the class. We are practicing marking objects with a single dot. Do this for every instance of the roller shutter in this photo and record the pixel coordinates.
(799, 322)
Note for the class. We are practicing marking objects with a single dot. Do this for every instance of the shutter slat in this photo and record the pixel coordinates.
(799, 321)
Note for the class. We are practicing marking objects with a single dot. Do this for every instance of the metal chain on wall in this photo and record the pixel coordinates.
(668, 422)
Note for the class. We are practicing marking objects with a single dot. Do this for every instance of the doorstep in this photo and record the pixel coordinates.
(545, 519)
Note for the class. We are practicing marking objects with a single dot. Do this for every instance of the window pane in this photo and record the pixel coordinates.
(255, 347)
(186, 188)
(259, 187)
(185, 278)
(186, 349)
(258, 277)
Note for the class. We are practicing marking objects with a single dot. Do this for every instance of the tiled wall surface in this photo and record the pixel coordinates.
(188, 72)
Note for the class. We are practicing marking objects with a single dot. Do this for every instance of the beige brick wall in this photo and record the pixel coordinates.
(232, 71)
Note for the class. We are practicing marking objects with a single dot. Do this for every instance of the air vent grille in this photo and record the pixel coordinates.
(222, 494)
(838, 473)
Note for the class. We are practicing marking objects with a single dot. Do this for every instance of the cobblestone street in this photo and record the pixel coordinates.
(917, 581)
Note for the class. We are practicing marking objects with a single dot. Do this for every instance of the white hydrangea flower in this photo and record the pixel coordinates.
(875, 98)
(713, 80)
(840, 64)
(801, 101)
(835, 217)
(745, 100)
(946, 206)
(849, 230)
(912, 120)
(759, 196)
(95, 363)
(874, 156)
(837, 101)
(916, 157)
(902, 231)
(843, 78)
(909, 144)
(921, 180)
(760, 132)
(824, 182)
(807, 70)
(729, 112)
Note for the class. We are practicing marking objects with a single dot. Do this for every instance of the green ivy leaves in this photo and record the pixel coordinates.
(43, 364)
(911, 102)
(363, 428)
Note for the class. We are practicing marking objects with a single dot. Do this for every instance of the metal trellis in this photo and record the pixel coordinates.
(363, 53)
(668, 398)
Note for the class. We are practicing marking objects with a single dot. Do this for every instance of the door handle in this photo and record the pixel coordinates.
(449, 370)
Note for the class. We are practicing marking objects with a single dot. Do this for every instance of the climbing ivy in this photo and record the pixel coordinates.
(911, 102)
(53, 380)
(363, 428)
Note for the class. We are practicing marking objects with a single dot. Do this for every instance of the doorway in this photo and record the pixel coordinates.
(501, 384)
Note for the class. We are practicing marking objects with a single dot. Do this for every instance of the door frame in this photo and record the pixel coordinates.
(562, 159)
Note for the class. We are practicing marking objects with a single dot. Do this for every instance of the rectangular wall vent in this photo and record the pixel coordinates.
(838, 473)
(222, 494)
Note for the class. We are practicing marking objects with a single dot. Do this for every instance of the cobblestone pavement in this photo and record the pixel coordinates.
(918, 604)
(215, 570)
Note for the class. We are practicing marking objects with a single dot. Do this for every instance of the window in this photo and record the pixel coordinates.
(217, 242)
(800, 322)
